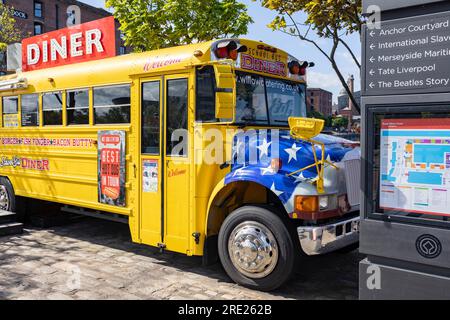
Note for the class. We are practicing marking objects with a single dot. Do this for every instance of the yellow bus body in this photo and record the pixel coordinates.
(190, 188)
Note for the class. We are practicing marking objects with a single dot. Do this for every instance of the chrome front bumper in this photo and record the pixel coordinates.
(327, 238)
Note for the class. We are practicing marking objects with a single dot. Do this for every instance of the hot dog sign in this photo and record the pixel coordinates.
(111, 168)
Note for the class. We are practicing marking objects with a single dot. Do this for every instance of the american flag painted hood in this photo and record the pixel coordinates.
(253, 151)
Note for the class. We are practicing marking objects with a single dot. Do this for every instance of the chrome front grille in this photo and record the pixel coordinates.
(352, 180)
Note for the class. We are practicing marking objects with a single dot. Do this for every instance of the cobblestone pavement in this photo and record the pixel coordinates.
(95, 259)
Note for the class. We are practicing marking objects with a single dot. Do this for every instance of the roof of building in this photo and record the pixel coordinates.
(318, 89)
(88, 6)
(343, 93)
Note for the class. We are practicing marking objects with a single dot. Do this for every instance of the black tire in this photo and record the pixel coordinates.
(4, 182)
(285, 248)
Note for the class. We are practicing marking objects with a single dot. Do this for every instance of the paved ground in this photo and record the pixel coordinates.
(95, 259)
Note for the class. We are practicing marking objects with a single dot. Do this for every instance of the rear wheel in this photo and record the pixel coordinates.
(7, 196)
(256, 249)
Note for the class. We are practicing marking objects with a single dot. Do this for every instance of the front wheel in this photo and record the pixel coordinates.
(256, 249)
(7, 196)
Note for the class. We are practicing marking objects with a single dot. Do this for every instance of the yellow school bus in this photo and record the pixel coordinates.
(202, 149)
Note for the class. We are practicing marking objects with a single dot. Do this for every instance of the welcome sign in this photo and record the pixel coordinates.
(85, 42)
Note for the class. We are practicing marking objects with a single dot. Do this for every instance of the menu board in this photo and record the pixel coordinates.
(415, 165)
(111, 168)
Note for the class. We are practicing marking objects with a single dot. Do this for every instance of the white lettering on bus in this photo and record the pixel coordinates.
(75, 44)
(33, 54)
(93, 39)
(59, 47)
(44, 51)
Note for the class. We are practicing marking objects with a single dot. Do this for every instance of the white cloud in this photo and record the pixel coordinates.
(327, 81)
(347, 57)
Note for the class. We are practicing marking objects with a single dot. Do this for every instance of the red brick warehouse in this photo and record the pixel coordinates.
(319, 100)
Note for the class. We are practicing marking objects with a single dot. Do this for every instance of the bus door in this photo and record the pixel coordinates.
(151, 160)
(176, 197)
(165, 163)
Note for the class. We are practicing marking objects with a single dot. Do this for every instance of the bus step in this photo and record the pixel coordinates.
(7, 216)
(7, 229)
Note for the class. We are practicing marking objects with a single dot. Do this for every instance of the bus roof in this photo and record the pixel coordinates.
(121, 69)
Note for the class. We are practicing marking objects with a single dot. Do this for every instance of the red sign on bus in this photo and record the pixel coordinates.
(85, 42)
(111, 167)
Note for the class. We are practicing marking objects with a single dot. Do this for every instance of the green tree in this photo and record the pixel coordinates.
(9, 33)
(340, 122)
(155, 24)
(315, 114)
(329, 19)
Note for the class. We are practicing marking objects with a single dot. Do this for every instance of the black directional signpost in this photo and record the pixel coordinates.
(407, 55)
(405, 145)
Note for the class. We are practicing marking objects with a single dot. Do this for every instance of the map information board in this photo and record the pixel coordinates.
(415, 165)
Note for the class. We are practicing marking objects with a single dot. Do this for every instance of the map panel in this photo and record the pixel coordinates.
(415, 165)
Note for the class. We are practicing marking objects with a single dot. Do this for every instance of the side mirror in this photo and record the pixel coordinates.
(225, 91)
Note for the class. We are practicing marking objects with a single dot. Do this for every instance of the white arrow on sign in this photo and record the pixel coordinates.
(371, 85)
(372, 46)
(371, 72)
(372, 59)
(372, 33)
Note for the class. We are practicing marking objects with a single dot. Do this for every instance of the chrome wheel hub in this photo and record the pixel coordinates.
(4, 198)
(253, 249)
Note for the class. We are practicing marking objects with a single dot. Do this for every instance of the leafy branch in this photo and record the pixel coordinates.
(330, 19)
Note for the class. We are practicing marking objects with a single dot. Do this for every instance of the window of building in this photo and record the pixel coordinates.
(38, 9)
(52, 108)
(57, 16)
(112, 104)
(10, 112)
(38, 28)
(78, 107)
(30, 110)
(177, 100)
(150, 117)
(312, 100)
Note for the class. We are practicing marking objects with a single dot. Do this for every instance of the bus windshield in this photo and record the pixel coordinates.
(268, 101)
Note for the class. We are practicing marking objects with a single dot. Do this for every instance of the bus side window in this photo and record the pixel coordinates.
(10, 112)
(176, 134)
(78, 107)
(112, 104)
(52, 108)
(206, 95)
(150, 117)
(30, 110)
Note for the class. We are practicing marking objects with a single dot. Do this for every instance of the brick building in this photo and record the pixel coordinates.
(320, 100)
(35, 17)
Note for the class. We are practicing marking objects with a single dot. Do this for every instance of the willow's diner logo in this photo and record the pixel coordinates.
(25, 163)
(10, 162)
(255, 64)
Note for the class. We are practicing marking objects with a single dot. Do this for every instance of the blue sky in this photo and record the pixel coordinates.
(322, 75)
